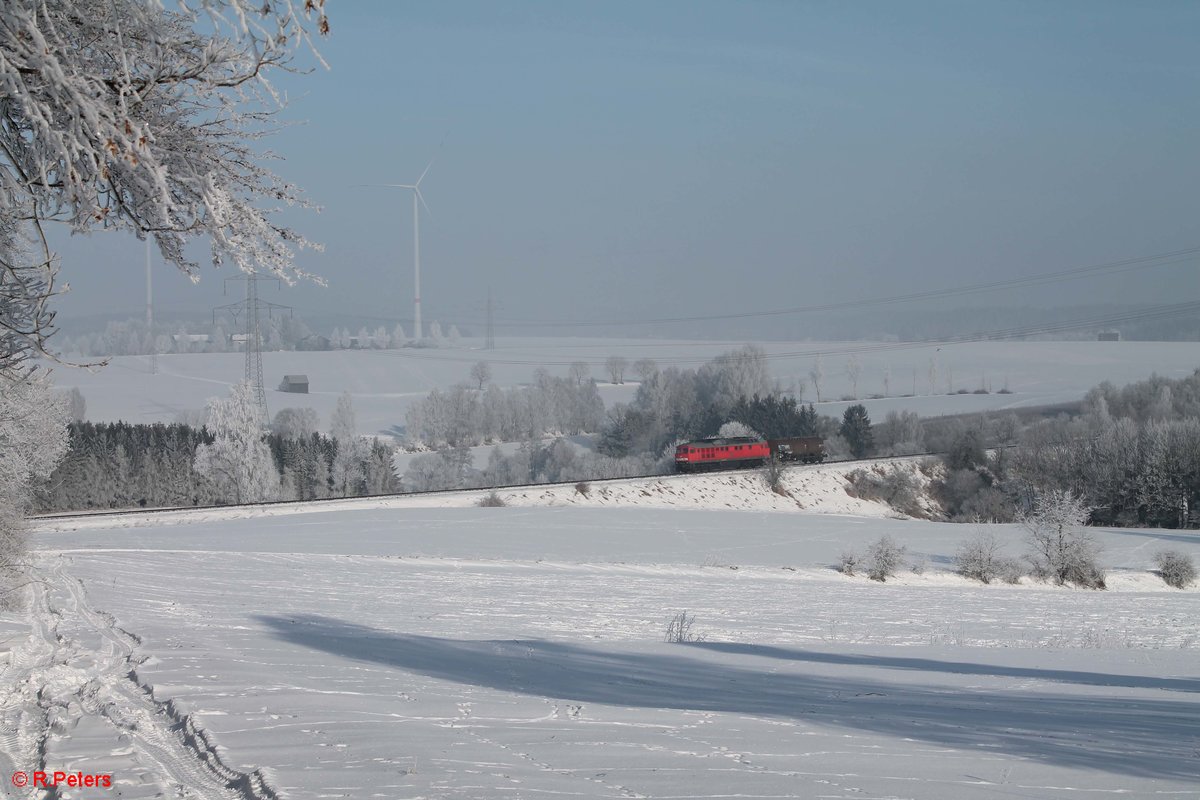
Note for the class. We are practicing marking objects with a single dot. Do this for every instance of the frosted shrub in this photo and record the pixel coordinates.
(679, 629)
(848, 562)
(1011, 570)
(979, 558)
(735, 428)
(896, 486)
(492, 500)
(884, 558)
(1176, 569)
(1061, 548)
(773, 473)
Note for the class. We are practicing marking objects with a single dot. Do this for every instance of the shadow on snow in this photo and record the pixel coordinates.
(1151, 737)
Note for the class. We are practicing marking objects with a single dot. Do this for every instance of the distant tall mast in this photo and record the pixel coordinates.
(150, 313)
(418, 201)
(417, 261)
(490, 341)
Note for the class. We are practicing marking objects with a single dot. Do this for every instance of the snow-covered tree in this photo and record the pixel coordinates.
(853, 371)
(33, 437)
(734, 428)
(1061, 548)
(816, 375)
(645, 368)
(125, 114)
(295, 423)
(348, 475)
(737, 374)
(380, 339)
(76, 405)
(238, 462)
(481, 373)
(579, 371)
(399, 338)
(616, 366)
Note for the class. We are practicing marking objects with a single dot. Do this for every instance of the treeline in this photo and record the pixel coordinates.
(463, 416)
(133, 338)
(675, 404)
(638, 438)
(1132, 455)
(533, 462)
(122, 465)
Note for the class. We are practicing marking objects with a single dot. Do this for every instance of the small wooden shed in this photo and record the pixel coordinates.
(294, 383)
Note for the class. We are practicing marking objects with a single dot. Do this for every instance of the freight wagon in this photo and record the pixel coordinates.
(805, 449)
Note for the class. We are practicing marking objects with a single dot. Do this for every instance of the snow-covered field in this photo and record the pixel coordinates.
(387, 649)
(384, 382)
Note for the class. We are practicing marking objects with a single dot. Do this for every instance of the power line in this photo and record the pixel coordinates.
(1156, 312)
(1182, 256)
(1112, 267)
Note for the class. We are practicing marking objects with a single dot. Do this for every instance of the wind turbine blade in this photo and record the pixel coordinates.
(421, 197)
(426, 172)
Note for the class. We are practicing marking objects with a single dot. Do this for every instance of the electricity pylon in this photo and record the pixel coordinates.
(252, 306)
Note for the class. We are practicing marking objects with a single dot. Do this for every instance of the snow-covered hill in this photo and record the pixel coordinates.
(427, 647)
(814, 488)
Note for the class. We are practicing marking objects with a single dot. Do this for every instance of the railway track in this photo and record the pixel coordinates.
(281, 506)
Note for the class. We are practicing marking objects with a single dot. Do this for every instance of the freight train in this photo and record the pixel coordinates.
(734, 452)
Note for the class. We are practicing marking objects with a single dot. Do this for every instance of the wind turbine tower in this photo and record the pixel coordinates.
(418, 201)
(150, 314)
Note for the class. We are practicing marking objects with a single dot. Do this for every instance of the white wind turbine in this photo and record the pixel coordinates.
(417, 197)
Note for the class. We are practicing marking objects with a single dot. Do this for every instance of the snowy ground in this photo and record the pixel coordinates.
(384, 382)
(388, 650)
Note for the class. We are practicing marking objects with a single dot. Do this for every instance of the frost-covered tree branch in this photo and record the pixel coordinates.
(128, 115)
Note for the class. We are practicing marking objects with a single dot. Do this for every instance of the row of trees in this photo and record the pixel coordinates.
(731, 392)
(674, 404)
(381, 339)
(464, 416)
(133, 337)
(534, 461)
(1132, 457)
(231, 459)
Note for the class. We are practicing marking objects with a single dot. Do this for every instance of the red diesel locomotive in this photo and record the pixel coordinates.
(721, 453)
(744, 451)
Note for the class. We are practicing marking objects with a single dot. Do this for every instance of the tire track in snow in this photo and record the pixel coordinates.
(76, 664)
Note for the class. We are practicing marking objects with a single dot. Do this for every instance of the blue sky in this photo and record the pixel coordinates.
(622, 160)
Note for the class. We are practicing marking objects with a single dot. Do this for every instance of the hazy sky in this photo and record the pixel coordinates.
(622, 160)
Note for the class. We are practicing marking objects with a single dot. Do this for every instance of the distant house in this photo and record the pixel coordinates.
(294, 383)
(314, 342)
(191, 338)
(1108, 336)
